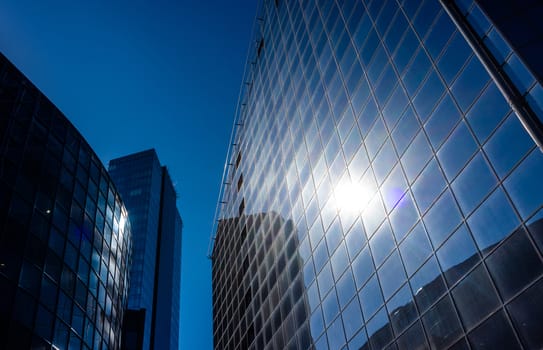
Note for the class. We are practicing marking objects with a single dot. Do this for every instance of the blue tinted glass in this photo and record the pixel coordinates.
(379, 330)
(391, 275)
(493, 220)
(416, 156)
(428, 186)
(497, 45)
(394, 188)
(442, 324)
(352, 318)
(386, 83)
(416, 72)
(457, 255)
(473, 183)
(345, 288)
(401, 309)
(487, 112)
(336, 335)
(415, 249)
(384, 161)
(355, 239)
(320, 255)
(370, 297)
(428, 96)
(527, 314)
(375, 138)
(362, 267)
(425, 16)
(427, 284)
(503, 153)
(494, 333)
(339, 260)
(395, 107)
(316, 323)
(475, 297)
(519, 74)
(325, 280)
(406, 49)
(406, 130)
(381, 243)
(525, 186)
(514, 264)
(454, 57)
(403, 217)
(470, 83)
(442, 121)
(396, 31)
(456, 151)
(442, 218)
(330, 308)
(439, 35)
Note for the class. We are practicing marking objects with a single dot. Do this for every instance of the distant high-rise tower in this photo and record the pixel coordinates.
(152, 321)
(65, 239)
(388, 155)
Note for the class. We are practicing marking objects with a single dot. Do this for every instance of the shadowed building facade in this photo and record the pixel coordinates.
(400, 140)
(152, 318)
(65, 239)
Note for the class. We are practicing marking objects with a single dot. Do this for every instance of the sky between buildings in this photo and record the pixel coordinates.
(138, 74)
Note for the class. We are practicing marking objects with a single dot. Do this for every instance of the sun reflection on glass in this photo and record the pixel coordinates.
(351, 197)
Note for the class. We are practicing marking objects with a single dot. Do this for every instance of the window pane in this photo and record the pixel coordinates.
(503, 153)
(514, 264)
(416, 156)
(352, 318)
(427, 284)
(470, 83)
(402, 310)
(442, 218)
(475, 297)
(370, 298)
(442, 325)
(454, 57)
(456, 151)
(391, 275)
(457, 255)
(428, 96)
(473, 183)
(413, 339)
(487, 112)
(493, 220)
(428, 186)
(527, 314)
(415, 249)
(442, 121)
(403, 217)
(362, 267)
(494, 333)
(525, 185)
(381, 243)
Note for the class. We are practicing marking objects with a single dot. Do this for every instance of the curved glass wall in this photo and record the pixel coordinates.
(64, 233)
(414, 192)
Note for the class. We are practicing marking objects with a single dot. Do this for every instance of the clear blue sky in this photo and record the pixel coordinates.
(136, 74)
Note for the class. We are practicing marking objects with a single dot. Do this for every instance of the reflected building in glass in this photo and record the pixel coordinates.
(65, 239)
(400, 143)
(152, 317)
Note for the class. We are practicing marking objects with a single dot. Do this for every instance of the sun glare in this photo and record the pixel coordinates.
(351, 197)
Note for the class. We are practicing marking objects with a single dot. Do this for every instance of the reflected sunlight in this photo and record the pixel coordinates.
(351, 197)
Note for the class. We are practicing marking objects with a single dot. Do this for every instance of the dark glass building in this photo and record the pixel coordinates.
(64, 234)
(399, 143)
(152, 318)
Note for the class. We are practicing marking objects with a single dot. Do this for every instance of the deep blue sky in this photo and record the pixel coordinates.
(137, 74)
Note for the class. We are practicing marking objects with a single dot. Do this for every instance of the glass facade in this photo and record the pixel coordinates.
(384, 147)
(155, 275)
(64, 235)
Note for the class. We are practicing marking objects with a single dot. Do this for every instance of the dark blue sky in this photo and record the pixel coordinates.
(137, 74)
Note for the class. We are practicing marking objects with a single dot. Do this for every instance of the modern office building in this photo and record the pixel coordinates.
(400, 142)
(65, 239)
(152, 318)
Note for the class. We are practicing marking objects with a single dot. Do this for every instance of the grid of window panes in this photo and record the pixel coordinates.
(64, 233)
(441, 244)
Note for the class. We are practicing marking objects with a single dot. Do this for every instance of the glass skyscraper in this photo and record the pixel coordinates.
(152, 318)
(383, 187)
(65, 239)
